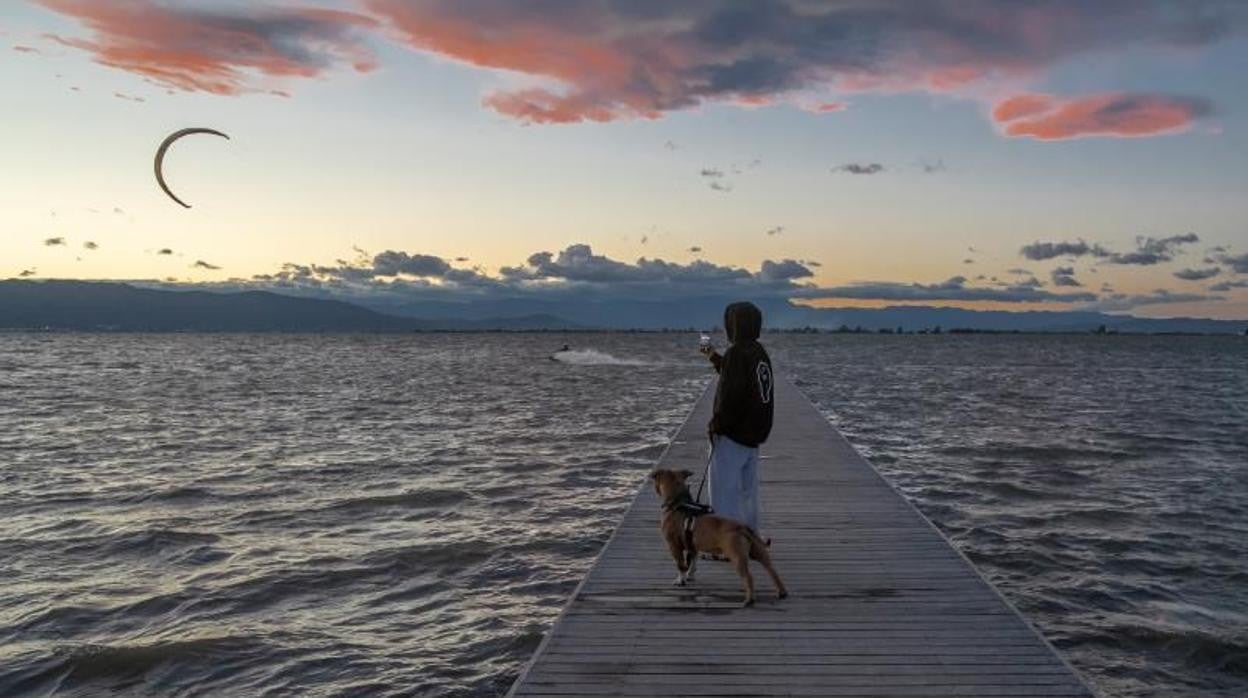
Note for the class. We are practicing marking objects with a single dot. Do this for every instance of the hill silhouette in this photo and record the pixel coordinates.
(116, 306)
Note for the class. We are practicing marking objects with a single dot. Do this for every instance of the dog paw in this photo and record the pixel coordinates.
(678, 582)
(782, 595)
(747, 603)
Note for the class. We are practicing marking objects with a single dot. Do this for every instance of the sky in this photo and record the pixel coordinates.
(1007, 155)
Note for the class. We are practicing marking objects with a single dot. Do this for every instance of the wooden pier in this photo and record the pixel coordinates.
(880, 602)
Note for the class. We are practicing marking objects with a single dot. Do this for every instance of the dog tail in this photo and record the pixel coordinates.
(753, 537)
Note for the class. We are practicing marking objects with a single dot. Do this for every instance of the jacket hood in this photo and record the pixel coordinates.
(743, 321)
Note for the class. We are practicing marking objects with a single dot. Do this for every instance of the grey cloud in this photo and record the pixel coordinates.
(1040, 251)
(775, 230)
(1064, 276)
(712, 172)
(954, 289)
(1228, 285)
(720, 186)
(1239, 263)
(1123, 301)
(346, 272)
(1197, 274)
(54, 242)
(1149, 251)
(201, 264)
(784, 270)
(578, 263)
(855, 168)
(164, 251)
(1019, 271)
(391, 263)
(27, 273)
(90, 245)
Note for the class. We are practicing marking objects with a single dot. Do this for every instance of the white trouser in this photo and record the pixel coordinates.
(733, 482)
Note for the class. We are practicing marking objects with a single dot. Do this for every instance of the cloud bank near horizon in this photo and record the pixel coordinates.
(569, 61)
(578, 274)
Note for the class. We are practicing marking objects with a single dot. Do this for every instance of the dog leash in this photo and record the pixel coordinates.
(710, 455)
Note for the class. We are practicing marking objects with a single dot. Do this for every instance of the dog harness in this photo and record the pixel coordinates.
(684, 503)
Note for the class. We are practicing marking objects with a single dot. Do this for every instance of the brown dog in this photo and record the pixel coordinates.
(708, 534)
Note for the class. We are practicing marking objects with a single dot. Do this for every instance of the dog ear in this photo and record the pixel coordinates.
(686, 474)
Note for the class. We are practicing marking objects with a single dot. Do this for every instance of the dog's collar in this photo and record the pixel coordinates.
(674, 502)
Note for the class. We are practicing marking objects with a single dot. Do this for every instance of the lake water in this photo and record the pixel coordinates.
(345, 515)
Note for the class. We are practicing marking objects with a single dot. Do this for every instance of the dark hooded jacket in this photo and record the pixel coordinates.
(743, 397)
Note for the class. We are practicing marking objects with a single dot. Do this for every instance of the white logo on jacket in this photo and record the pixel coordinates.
(763, 371)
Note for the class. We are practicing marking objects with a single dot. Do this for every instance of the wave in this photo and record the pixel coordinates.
(120, 667)
(593, 357)
(1197, 648)
(145, 542)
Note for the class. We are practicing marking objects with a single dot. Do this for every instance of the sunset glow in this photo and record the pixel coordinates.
(484, 133)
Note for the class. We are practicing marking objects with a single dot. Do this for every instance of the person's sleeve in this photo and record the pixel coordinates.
(731, 400)
(717, 360)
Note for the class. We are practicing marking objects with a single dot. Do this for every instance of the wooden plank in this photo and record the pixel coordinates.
(881, 602)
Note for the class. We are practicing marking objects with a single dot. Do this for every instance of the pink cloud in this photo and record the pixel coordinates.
(542, 106)
(206, 51)
(1022, 105)
(603, 61)
(574, 61)
(828, 107)
(1121, 115)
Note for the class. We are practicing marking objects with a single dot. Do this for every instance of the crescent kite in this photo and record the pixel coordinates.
(164, 146)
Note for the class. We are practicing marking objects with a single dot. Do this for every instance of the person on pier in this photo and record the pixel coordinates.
(742, 416)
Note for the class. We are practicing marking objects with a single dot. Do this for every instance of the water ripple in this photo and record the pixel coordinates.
(235, 514)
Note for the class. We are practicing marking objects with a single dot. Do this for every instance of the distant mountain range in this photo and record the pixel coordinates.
(111, 306)
(106, 306)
